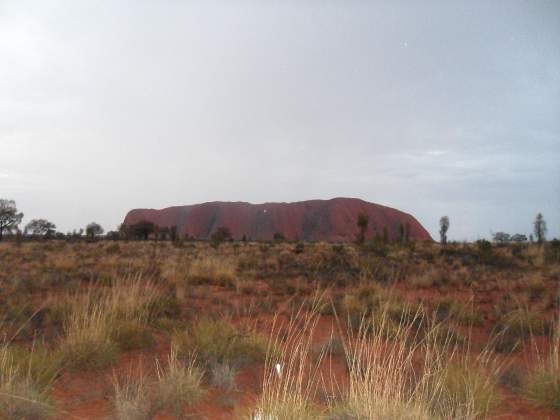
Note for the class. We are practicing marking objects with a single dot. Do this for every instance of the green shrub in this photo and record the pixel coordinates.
(130, 335)
(516, 326)
(132, 399)
(24, 386)
(458, 311)
(218, 342)
(76, 355)
(167, 306)
(223, 375)
(178, 384)
(543, 386)
(468, 389)
(40, 365)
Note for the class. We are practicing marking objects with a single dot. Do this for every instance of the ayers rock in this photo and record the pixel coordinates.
(313, 220)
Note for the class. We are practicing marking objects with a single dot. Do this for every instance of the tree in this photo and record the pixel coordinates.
(385, 235)
(40, 227)
(362, 222)
(407, 232)
(540, 228)
(220, 235)
(142, 230)
(93, 230)
(279, 237)
(9, 216)
(401, 232)
(502, 238)
(173, 233)
(518, 237)
(443, 228)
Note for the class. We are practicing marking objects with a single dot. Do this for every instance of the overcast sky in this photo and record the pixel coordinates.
(433, 107)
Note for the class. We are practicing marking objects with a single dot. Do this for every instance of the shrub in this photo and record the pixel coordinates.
(458, 311)
(131, 398)
(543, 383)
(536, 289)
(88, 343)
(213, 270)
(223, 375)
(468, 389)
(429, 278)
(130, 335)
(299, 248)
(24, 387)
(40, 365)
(178, 384)
(543, 386)
(514, 327)
(164, 306)
(217, 342)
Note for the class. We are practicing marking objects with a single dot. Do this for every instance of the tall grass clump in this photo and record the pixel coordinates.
(132, 399)
(213, 269)
(291, 374)
(178, 383)
(543, 383)
(409, 377)
(105, 320)
(219, 342)
(24, 387)
(88, 343)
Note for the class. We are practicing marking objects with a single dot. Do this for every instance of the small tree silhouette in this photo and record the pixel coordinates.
(362, 222)
(443, 228)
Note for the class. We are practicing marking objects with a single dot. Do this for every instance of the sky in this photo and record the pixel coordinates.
(432, 107)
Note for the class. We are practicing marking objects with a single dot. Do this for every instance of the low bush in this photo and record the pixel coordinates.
(514, 327)
(88, 343)
(217, 342)
(458, 311)
(24, 386)
(132, 399)
(131, 335)
(223, 375)
(178, 384)
(466, 391)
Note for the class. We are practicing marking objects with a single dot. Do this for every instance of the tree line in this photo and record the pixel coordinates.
(10, 219)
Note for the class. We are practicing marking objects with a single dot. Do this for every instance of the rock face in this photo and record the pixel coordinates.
(313, 220)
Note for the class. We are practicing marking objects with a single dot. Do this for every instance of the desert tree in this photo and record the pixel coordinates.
(443, 228)
(94, 229)
(9, 216)
(221, 234)
(362, 223)
(173, 233)
(407, 232)
(279, 237)
(539, 228)
(502, 238)
(519, 237)
(40, 227)
(143, 229)
(401, 232)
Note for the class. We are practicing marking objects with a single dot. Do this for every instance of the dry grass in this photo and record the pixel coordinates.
(218, 342)
(131, 397)
(543, 383)
(178, 384)
(213, 269)
(292, 375)
(23, 395)
(99, 318)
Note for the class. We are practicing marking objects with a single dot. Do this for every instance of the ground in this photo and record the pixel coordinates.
(331, 315)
